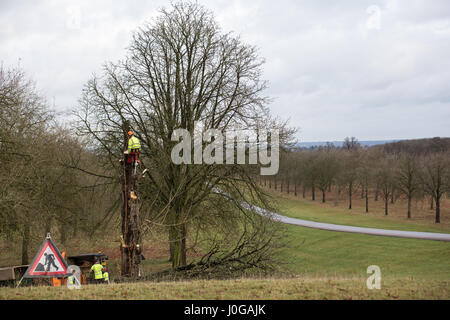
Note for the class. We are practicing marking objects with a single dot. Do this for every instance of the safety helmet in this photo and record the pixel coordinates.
(130, 133)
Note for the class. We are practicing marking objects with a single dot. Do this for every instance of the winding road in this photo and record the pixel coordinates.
(350, 229)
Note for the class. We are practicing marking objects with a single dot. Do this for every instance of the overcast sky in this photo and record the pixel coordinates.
(370, 69)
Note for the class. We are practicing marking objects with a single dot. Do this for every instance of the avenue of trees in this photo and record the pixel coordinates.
(418, 169)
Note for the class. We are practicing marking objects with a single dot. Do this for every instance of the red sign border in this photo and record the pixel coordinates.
(47, 273)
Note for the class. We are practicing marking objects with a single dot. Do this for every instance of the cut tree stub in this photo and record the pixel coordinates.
(131, 231)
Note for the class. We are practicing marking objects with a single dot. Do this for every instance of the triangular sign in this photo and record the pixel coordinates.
(48, 262)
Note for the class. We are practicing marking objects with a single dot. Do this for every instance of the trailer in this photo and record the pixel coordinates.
(10, 275)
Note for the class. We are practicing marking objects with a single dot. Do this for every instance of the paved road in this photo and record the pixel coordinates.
(340, 228)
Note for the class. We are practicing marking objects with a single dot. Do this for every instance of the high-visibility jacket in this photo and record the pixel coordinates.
(106, 276)
(71, 279)
(97, 268)
(134, 144)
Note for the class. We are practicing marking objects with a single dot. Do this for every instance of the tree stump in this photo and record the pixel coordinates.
(130, 247)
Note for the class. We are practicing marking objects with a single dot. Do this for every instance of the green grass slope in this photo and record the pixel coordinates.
(316, 264)
(313, 211)
(313, 252)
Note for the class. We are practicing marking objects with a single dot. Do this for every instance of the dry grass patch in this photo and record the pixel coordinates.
(245, 289)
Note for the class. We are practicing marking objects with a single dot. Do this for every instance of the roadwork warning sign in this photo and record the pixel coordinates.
(48, 262)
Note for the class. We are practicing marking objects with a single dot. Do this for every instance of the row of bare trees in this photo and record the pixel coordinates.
(39, 190)
(373, 172)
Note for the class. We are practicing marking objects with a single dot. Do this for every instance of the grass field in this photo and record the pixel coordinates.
(422, 218)
(244, 289)
(316, 264)
(321, 253)
(325, 253)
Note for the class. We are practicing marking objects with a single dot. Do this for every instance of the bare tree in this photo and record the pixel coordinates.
(327, 171)
(385, 179)
(365, 174)
(350, 172)
(407, 177)
(435, 178)
(179, 70)
(23, 121)
(351, 144)
(311, 170)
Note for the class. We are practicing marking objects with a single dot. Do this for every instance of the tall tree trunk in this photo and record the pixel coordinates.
(350, 194)
(409, 205)
(172, 238)
(75, 225)
(48, 226)
(183, 247)
(9, 235)
(178, 241)
(288, 186)
(313, 190)
(323, 196)
(438, 209)
(62, 231)
(295, 189)
(367, 199)
(393, 196)
(438, 195)
(386, 204)
(338, 195)
(25, 241)
(131, 245)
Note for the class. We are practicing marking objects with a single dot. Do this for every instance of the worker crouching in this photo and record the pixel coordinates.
(106, 277)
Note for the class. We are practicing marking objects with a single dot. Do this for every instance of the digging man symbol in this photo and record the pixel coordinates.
(50, 261)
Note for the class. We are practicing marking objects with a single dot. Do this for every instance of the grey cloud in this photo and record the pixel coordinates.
(329, 73)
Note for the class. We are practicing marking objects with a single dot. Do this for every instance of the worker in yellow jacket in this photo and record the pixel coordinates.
(97, 268)
(106, 277)
(134, 147)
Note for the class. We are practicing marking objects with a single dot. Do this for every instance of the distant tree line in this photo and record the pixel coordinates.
(416, 169)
